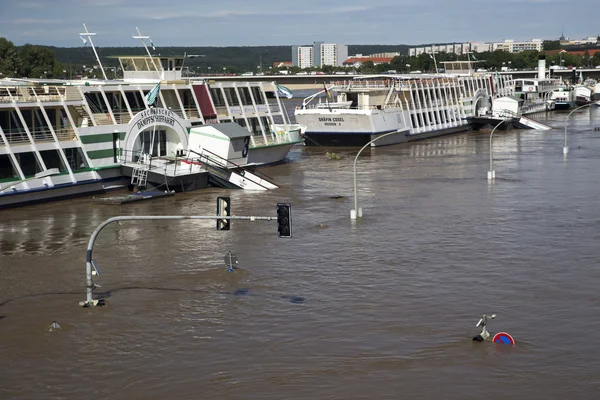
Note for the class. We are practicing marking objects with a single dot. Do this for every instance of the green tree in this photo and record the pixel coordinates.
(551, 45)
(9, 58)
(36, 61)
(367, 67)
(596, 58)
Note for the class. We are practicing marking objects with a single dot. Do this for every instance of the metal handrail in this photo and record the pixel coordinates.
(258, 173)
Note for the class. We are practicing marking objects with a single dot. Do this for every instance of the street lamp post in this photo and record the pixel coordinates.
(357, 212)
(566, 148)
(491, 173)
(432, 55)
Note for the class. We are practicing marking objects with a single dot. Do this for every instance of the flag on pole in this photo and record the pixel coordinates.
(153, 94)
(284, 92)
(326, 91)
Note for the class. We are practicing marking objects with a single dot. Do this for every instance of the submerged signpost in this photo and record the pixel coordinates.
(283, 228)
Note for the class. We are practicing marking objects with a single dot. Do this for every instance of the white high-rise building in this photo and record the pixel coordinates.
(332, 54)
(319, 54)
(302, 56)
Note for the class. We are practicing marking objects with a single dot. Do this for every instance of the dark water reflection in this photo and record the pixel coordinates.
(390, 303)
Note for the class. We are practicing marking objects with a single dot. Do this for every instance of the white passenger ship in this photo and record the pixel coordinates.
(536, 94)
(64, 138)
(401, 107)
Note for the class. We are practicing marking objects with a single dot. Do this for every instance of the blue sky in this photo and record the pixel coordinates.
(280, 22)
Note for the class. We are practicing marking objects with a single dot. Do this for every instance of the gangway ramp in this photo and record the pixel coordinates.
(528, 123)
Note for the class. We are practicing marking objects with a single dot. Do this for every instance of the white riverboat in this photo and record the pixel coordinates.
(65, 138)
(535, 94)
(401, 107)
(563, 98)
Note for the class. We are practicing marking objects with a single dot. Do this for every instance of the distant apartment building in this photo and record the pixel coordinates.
(589, 40)
(332, 54)
(507, 45)
(302, 56)
(456, 48)
(480, 47)
(513, 46)
(319, 54)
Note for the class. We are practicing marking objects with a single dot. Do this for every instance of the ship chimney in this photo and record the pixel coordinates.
(542, 67)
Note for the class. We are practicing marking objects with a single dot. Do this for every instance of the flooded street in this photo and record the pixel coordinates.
(384, 307)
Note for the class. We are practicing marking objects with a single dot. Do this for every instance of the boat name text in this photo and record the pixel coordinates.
(329, 119)
(156, 115)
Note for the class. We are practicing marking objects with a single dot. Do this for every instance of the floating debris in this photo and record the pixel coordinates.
(333, 156)
(54, 326)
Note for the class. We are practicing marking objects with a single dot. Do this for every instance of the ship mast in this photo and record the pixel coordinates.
(142, 38)
(89, 37)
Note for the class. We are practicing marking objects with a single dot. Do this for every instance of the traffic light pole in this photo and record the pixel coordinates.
(89, 264)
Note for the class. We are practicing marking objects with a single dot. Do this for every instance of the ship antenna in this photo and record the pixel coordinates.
(142, 38)
(89, 37)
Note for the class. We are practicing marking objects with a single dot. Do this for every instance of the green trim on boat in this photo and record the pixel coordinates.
(100, 138)
(10, 179)
(96, 154)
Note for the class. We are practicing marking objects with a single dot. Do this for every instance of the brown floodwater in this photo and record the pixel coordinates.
(382, 308)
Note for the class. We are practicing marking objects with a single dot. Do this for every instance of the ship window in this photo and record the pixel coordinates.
(52, 160)
(217, 96)
(135, 101)
(245, 96)
(28, 163)
(75, 158)
(258, 95)
(7, 169)
(160, 142)
(232, 99)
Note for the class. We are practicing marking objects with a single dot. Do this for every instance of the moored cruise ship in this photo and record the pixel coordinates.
(64, 138)
(398, 108)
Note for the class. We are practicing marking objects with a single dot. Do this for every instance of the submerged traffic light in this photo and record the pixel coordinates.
(284, 220)
(223, 210)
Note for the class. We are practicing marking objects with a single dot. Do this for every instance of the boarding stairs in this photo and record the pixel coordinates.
(528, 123)
(227, 174)
(139, 176)
(519, 121)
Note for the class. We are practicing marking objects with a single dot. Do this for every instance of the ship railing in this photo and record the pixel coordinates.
(15, 137)
(72, 94)
(503, 113)
(436, 104)
(210, 158)
(65, 134)
(274, 137)
(45, 135)
(363, 84)
(324, 106)
(186, 113)
(31, 94)
(164, 165)
(102, 118)
(121, 117)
